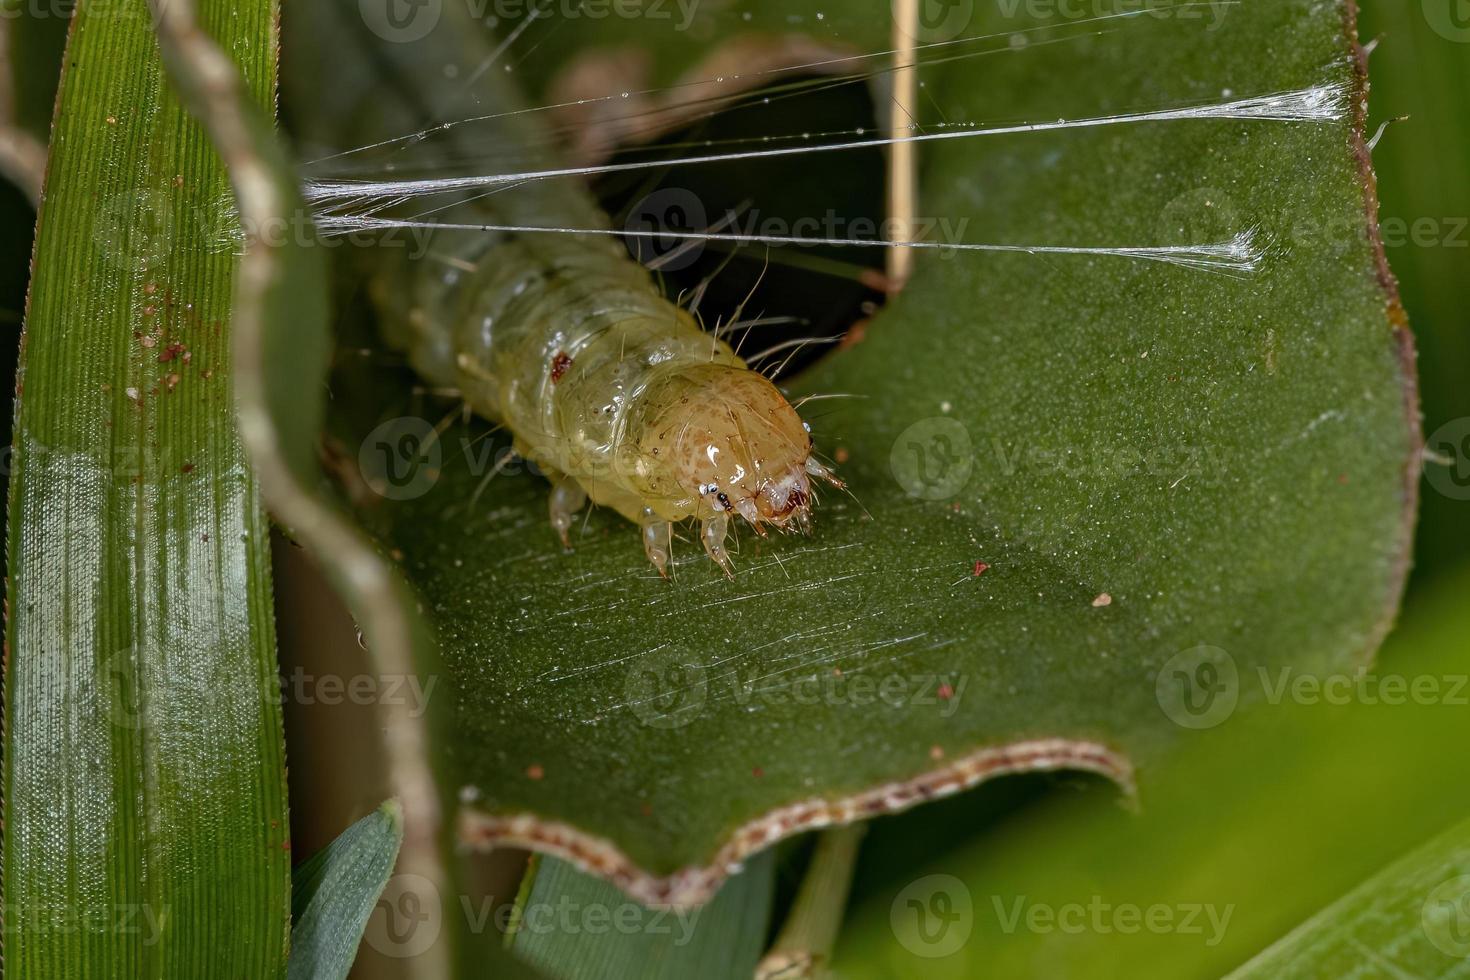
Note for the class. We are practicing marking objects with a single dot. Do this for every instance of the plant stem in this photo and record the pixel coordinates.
(903, 157)
(806, 940)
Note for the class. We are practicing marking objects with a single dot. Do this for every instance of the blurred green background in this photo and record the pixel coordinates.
(1421, 69)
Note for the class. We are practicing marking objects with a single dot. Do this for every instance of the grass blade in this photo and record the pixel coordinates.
(334, 893)
(144, 763)
(1407, 921)
(282, 343)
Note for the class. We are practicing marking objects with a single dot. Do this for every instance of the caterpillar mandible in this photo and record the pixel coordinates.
(615, 392)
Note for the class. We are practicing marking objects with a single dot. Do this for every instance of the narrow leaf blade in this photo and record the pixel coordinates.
(1408, 920)
(334, 893)
(144, 760)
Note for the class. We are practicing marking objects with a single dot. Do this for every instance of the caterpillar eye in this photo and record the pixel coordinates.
(807, 426)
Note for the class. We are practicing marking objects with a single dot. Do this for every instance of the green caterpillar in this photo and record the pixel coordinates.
(611, 389)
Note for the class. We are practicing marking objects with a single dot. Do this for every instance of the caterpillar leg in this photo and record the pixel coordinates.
(658, 541)
(712, 532)
(567, 497)
(821, 472)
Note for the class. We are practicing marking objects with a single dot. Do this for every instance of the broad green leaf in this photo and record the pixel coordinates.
(572, 926)
(1147, 463)
(1408, 920)
(145, 830)
(1258, 825)
(334, 892)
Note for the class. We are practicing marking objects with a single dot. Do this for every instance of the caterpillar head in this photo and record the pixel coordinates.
(737, 447)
